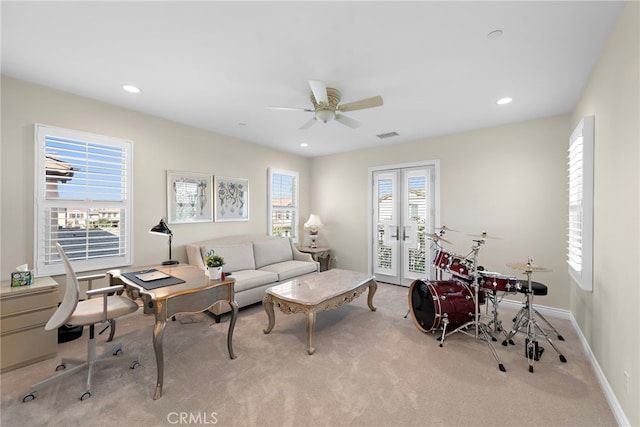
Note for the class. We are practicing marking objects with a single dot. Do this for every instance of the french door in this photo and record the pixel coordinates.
(404, 210)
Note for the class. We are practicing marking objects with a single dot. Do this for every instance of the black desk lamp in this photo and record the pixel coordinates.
(163, 230)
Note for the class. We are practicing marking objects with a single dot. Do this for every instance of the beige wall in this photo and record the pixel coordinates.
(509, 181)
(608, 316)
(159, 145)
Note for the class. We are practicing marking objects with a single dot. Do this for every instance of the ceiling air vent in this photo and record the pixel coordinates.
(387, 135)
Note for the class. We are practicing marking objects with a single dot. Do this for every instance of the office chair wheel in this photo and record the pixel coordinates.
(118, 352)
(85, 395)
(29, 397)
(134, 365)
(61, 367)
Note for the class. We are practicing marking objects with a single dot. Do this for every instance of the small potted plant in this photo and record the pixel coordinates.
(214, 265)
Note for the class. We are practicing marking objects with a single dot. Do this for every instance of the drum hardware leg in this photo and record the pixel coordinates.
(560, 337)
(445, 322)
(526, 316)
(480, 329)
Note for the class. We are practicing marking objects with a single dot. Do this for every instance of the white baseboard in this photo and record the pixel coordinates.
(621, 417)
(618, 413)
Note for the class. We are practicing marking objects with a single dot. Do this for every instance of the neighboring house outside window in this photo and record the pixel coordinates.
(283, 204)
(83, 200)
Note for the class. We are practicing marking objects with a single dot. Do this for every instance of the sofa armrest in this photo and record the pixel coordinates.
(194, 256)
(300, 256)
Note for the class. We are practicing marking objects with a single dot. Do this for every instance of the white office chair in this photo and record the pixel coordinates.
(89, 312)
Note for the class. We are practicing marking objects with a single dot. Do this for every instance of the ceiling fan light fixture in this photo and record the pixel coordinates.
(325, 115)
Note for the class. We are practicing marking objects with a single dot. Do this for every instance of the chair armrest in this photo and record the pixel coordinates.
(90, 278)
(105, 291)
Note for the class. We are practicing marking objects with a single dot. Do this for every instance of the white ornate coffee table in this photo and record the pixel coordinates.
(317, 292)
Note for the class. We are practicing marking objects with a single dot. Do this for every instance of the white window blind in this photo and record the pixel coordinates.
(580, 222)
(283, 204)
(83, 200)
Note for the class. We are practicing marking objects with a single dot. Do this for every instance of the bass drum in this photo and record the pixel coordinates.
(432, 301)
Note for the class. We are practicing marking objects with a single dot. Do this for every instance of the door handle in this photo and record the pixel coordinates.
(404, 233)
(396, 235)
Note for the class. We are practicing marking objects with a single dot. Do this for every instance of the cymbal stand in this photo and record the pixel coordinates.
(525, 318)
(480, 328)
(492, 295)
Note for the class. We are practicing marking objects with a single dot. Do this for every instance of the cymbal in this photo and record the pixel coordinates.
(484, 235)
(435, 237)
(445, 228)
(524, 266)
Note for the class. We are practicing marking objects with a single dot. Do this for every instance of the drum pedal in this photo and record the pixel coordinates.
(534, 351)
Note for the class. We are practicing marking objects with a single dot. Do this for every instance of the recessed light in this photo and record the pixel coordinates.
(130, 88)
(503, 101)
(304, 144)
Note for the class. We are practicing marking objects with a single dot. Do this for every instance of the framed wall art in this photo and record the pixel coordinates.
(189, 197)
(231, 199)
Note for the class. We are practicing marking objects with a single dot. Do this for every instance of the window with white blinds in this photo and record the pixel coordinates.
(580, 223)
(283, 203)
(83, 200)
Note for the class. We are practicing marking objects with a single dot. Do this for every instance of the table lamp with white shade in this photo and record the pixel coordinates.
(313, 224)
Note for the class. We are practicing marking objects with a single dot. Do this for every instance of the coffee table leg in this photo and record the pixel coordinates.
(311, 321)
(373, 287)
(267, 303)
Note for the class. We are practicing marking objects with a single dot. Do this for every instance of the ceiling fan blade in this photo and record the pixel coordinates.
(308, 124)
(375, 101)
(348, 121)
(275, 107)
(319, 90)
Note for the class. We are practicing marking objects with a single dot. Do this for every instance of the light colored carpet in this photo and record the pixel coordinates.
(369, 369)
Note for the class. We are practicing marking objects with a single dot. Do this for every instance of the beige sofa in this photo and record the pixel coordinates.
(256, 262)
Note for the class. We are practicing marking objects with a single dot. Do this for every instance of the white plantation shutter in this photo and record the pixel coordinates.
(283, 204)
(580, 222)
(83, 200)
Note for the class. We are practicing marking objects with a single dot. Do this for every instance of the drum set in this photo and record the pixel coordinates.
(452, 306)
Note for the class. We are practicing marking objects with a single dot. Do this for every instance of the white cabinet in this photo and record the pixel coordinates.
(23, 313)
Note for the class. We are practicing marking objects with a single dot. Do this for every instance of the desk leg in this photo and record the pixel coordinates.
(158, 333)
(373, 287)
(232, 324)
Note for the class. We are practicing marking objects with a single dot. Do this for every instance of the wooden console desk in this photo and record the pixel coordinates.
(195, 295)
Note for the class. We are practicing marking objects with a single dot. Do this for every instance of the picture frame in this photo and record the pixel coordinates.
(189, 197)
(231, 199)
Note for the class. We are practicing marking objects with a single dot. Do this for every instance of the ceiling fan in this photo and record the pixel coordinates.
(325, 102)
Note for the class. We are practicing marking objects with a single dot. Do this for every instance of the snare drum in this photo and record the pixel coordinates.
(497, 282)
(432, 301)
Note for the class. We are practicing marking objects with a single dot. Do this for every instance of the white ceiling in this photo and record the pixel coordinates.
(219, 65)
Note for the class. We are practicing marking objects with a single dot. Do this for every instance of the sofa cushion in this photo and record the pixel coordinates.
(248, 279)
(272, 251)
(288, 269)
(236, 257)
